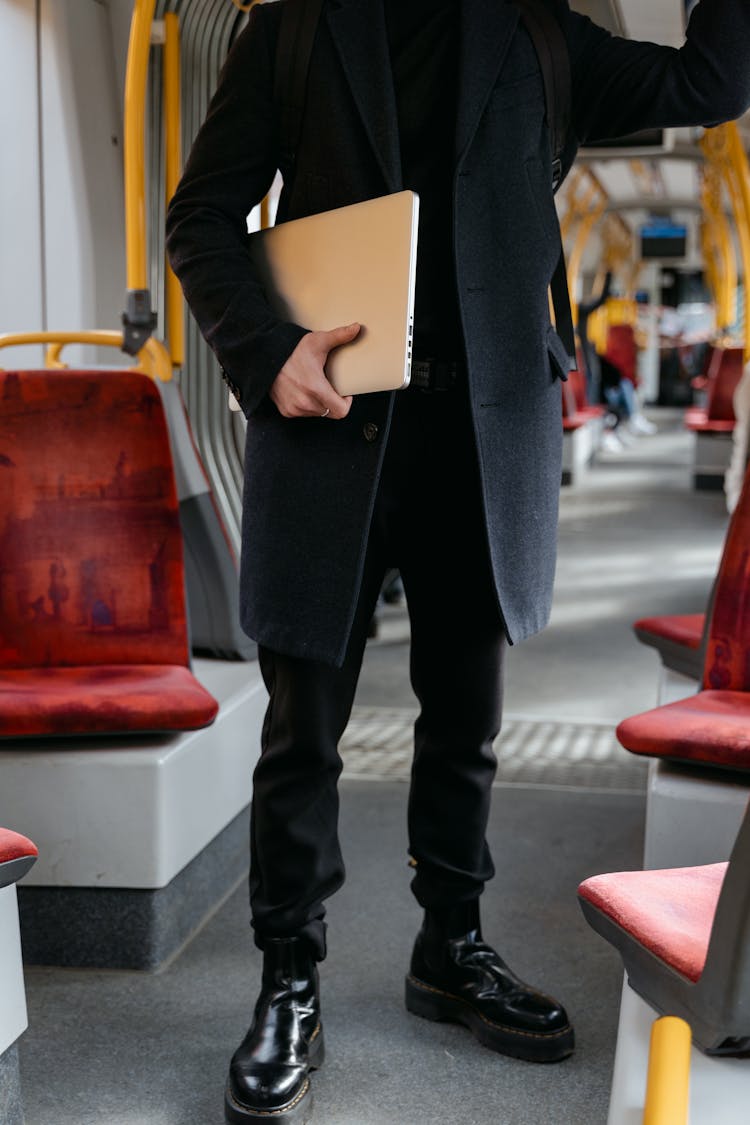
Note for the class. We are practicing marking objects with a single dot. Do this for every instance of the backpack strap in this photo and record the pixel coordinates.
(299, 23)
(551, 48)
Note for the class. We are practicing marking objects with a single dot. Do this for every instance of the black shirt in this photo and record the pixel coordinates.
(423, 41)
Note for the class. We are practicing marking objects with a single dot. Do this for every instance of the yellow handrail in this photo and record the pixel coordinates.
(668, 1085)
(724, 151)
(585, 202)
(153, 358)
(135, 156)
(173, 166)
(576, 258)
(718, 247)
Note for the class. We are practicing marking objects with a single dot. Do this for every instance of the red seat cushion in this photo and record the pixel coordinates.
(574, 422)
(668, 912)
(712, 727)
(109, 699)
(17, 855)
(15, 846)
(704, 425)
(684, 630)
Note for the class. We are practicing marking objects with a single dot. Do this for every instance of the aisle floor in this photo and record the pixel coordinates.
(121, 1048)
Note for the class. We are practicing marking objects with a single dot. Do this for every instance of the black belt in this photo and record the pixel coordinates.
(435, 374)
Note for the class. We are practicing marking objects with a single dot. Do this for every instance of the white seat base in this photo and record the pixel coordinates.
(13, 1019)
(579, 447)
(133, 812)
(692, 815)
(719, 1088)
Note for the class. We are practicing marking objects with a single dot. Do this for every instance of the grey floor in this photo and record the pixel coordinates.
(132, 1049)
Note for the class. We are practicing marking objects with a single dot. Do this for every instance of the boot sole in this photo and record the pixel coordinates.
(298, 1111)
(433, 1004)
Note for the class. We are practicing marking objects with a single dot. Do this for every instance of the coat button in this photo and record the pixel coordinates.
(370, 430)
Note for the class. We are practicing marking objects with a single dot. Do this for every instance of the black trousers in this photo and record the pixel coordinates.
(428, 522)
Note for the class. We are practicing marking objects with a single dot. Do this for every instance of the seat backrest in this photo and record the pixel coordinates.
(569, 407)
(577, 384)
(726, 975)
(91, 564)
(724, 375)
(727, 659)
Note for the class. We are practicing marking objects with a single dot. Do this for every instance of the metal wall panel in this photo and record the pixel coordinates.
(207, 28)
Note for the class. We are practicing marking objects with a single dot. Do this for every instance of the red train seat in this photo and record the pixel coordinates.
(724, 373)
(93, 633)
(17, 855)
(680, 629)
(683, 936)
(678, 638)
(670, 913)
(712, 727)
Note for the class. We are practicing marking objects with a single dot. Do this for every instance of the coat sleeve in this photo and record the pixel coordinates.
(230, 169)
(621, 86)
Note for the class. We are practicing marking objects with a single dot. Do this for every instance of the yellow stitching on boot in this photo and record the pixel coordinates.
(272, 1112)
(285, 1108)
(490, 1023)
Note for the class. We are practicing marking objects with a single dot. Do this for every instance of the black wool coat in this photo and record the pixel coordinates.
(310, 484)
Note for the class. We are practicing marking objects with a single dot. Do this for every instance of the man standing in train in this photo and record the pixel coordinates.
(455, 482)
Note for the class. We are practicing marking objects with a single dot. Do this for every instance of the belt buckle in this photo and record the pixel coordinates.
(421, 374)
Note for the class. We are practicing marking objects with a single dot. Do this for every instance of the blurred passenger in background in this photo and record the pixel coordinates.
(589, 353)
(625, 418)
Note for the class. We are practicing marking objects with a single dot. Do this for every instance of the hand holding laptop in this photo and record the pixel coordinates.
(301, 389)
(357, 261)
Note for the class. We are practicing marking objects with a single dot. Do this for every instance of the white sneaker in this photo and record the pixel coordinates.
(626, 439)
(610, 443)
(641, 426)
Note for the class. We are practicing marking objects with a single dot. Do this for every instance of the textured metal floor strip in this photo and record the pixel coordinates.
(378, 744)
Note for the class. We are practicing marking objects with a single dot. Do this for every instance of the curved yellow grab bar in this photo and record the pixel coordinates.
(153, 358)
(668, 1087)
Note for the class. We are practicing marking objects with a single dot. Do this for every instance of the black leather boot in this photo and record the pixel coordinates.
(454, 976)
(269, 1073)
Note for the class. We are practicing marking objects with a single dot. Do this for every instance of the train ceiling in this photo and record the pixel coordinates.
(639, 187)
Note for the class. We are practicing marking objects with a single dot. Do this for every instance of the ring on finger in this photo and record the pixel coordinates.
(326, 412)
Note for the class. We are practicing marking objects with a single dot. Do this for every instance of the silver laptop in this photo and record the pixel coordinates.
(356, 263)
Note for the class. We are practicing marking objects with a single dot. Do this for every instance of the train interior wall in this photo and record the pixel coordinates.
(62, 69)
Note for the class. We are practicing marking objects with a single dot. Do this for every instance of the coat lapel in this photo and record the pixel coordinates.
(359, 34)
(486, 32)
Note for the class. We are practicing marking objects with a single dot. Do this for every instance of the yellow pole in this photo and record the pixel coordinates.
(724, 150)
(741, 169)
(582, 236)
(173, 167)
(718, 248)
(742, 222)
(668, 1085)
(135, 156)
(713, 276)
